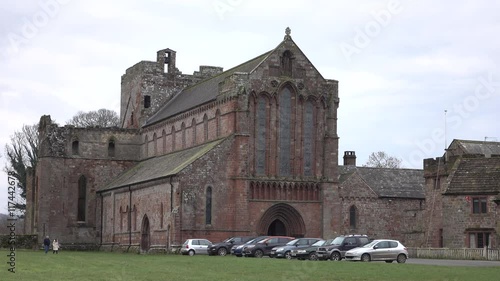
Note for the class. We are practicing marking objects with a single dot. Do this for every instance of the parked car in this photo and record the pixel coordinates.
(195, 246)
(223, 248)
(286, 250)
(340, 245)
(238, 250)
(379, 250)
(264, 247)
(311, 251)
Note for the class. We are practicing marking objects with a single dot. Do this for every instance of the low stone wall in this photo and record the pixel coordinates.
(136, 248)
(21, 242)
(455, 253)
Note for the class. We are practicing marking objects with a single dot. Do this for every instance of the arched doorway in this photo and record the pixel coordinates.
(145, 243)
(277, 227)
(281, 219)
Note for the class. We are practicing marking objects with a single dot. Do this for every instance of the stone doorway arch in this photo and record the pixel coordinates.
(281, 219)
(145, 235)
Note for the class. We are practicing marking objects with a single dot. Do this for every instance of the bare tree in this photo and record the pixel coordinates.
(21, 154)
(100, 118)
(381, 159)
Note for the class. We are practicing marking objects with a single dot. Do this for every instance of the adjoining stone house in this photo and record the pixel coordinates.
(248, 151)
(382, 202)
(463, 196)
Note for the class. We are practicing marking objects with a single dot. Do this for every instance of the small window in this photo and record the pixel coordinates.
(111, 148)
(479, 239)
(479, 205)
(147, 101)
(352, 217)
(75, 147)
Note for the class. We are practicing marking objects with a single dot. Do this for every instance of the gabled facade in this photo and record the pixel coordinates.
(382, 202)
(247, 151)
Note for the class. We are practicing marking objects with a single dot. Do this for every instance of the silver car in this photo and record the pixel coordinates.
(379, 250)
(195, 246)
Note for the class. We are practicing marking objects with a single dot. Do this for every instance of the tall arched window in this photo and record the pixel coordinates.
(155, 147)
(111, 148)
(164, 140)
(173, 138)
(352, 217)
(82, 198)
(205, 127)
(308, 134)
(285, 132)
(208, 206)
(217, 122)
(183, 134)
(146, 144)
(260, 135)
(75, 147)
(193, 126)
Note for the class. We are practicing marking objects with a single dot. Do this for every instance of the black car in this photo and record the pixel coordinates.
(341, 244)
(309, 252)
(238, 250)
(223, 248)
(264, 247)
(286, 250)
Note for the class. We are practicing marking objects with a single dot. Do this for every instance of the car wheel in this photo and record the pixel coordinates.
(313, 256)
(258, 253)
(335, 256)
(191, 253)
(365, 257)
(222, 251)
(390, 261)
(401, 258)
(288, 255)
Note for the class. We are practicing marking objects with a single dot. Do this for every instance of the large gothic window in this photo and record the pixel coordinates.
(285, 131)
(193, 125)
(308, 138)
(82, 198)
(261, 136)
(208, 206)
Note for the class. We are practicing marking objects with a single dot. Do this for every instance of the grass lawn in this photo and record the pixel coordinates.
(74, 266)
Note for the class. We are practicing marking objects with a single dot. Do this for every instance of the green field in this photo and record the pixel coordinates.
(35, 265)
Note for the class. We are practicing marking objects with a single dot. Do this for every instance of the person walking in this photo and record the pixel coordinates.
(55, 247)
(46, 243)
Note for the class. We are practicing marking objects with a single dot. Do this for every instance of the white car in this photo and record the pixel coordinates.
(195, 246)
(379, 250)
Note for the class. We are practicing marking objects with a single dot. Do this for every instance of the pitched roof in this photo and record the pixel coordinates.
(161, 167)
(479, 147)
(475, 176)
(202, 92)
(395, 183)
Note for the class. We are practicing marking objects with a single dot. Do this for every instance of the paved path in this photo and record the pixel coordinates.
(453, 262)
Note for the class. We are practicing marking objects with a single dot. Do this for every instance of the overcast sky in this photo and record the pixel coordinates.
(400, 64)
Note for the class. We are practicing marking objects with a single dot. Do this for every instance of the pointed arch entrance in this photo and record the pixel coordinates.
(282, 219)
(145, 243)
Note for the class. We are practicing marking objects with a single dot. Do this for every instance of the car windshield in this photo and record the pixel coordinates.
(227, 240)
(293, 242)
(319, 243)
(369, 245)
(337, 241)
(256, 240)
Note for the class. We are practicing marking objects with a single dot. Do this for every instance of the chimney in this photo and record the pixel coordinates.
(349, 158)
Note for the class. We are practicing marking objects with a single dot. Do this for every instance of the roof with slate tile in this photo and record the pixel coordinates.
(478, 147)
(202, 92)
(394, 183)
(161, 167)
(475, 176)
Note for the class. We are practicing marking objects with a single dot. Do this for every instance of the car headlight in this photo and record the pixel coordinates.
(301, 251)
(280, 249)
(250, 246)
